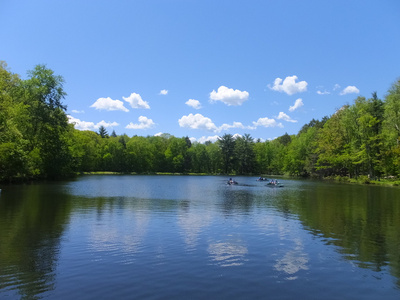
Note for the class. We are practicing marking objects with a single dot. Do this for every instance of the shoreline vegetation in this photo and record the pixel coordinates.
(359, 143)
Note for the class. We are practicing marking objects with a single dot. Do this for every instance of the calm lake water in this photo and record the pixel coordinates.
(195, 237)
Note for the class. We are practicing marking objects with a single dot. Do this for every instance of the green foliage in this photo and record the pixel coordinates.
(48, 130)
(34, 130)
(103, 132)
(227, 145)
(140, 155)
(358, 142)
(244, 153)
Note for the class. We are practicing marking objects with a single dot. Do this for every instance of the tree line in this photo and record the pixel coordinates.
(36, 140)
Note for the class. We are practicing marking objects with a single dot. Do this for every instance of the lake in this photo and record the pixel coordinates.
(195, 237)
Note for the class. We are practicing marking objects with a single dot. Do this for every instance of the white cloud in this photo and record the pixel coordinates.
(298, 103)
(83, 125)
(234, 125)
(163, 92)
(136, 101)
(78, 111)
(351, 89)
(285, 117)
(109, 104)
(266, 122)
(289, 85)
(197, 121)
(80, 125)
(336, 87)
(229, 96)
(106, 124)
(193, 103)
(144, 123)
(323, 92)
(204, 139)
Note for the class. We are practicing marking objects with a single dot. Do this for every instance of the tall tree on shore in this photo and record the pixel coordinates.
(244, 153)
(14, 160)
(391, 129)
(227, 145)
(48, 123)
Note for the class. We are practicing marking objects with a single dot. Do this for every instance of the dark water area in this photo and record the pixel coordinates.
(195, 237)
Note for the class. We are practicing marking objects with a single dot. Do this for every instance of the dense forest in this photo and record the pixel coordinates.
(36, 140)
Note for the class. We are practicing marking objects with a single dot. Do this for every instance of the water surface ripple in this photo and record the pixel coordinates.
(195, 237)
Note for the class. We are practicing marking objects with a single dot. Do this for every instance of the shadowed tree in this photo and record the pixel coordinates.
(244, 152)
(103, 132)
(227, 145)
(48, 127)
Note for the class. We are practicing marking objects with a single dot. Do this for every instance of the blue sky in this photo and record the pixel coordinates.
(205, 68)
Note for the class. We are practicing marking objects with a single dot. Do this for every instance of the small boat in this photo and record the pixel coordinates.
(231, 182)
(274, 183)
(262, 179)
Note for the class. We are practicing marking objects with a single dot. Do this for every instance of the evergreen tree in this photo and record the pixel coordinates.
(103, 132)
(227, 145)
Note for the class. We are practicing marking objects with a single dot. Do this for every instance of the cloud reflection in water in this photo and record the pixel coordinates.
(227, 254)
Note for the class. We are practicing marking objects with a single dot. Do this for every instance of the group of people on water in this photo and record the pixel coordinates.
(271, 182)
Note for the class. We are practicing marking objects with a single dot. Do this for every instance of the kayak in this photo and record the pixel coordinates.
(262, 179)
(274, 184)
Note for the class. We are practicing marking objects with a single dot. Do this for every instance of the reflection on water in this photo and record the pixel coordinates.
(31, 226)
(125, 235)
(173, 236)
(192, 222)
(228, 254)
(293, 261)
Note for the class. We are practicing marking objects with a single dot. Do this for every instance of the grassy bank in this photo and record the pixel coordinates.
(365, 180)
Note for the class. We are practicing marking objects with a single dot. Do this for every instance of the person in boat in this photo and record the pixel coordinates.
(231, 181)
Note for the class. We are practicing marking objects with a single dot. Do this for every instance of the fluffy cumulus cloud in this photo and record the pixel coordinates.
(193, 103)
(298, 103)
(229, 96)
(136, 101)
(285, 117)
(266, 122)
(289, 85)
(197, 121)
(144, 123)
(83, 125)
(109, 104)
(351, 89)
(163, 92)
(106, 124)
(234, 125)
